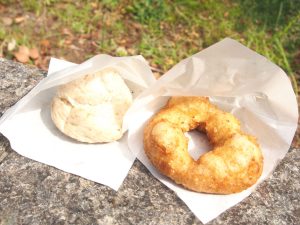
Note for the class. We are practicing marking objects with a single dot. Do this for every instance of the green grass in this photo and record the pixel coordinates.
(163, 31)
(79, 18)
(270, 27)
(274, 31)
(2, 33)
(148, 11)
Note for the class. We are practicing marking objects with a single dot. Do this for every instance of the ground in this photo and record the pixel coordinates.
(164, 32)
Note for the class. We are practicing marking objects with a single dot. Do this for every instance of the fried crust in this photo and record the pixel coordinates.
(234, 164)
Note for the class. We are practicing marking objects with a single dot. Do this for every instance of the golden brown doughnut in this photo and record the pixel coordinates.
(234, 164)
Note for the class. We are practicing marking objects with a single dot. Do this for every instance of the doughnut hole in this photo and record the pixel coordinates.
(198, 143)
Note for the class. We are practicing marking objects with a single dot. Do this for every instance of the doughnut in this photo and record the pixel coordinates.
(234, 163)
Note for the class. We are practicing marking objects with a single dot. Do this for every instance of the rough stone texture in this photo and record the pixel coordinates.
(34, 193)
(15, 81)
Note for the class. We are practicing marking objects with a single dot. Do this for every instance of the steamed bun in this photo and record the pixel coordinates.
(91, 109)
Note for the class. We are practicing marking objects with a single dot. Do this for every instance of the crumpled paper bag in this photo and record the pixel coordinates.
(239, 81)
(31, 132)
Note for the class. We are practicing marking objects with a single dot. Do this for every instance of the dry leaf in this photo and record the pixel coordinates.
(81, 41)
(93, 43)
(122, 41)
(45, 43)
(23, 54)
(34, 53)
(73, 47)
(67, 31)
(37, 62)
(68, 41)
(94, 5)
(137, 26)
(45, 63)
(21, 57)
(7, 21)
(20, 19)
(24, 50)
(131, 51)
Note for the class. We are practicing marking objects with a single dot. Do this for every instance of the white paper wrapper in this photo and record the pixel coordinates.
(31, 132)
(239, 81)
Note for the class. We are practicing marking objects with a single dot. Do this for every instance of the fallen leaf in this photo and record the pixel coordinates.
(85, 36)
(73, 47)
(21, 57)
(61, 42)
(37, 62)
(67, 31)
(45, 43)
(95, 35)
(131, 51)
(94, 5)
(122, 41)
(42, 62)
(20, 19)
(34, 53)
(44, 46)
(81, 41)
(161, 26)
(11, 45)
(24, 50)
(137, 26)
(68, 41)
(45, 63)
(7, 21)
(153, 64)
(61, 6)
(93, 43)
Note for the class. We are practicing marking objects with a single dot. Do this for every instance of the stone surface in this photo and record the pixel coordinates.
(34, 193)
(15, 81)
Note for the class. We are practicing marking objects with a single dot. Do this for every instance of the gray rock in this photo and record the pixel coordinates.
(15, 81)
(34, 193)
